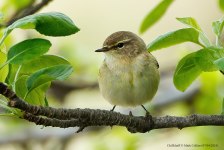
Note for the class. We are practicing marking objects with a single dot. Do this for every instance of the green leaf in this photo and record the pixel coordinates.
(55, 24)
(8, 111)
(27, 50)
(50, 24)
(60, 72)
(186, 72)
(219, 63)
(1, 15)
(11, 75)
(205, 58)
(175, 37)
(217, 27)
(36, 96)
(221, 4)
(42, 62)
(3, 47)
(4, 105)
(155, 15)
(222, 113)
(20, 86)
(191, 22)
(4, 71)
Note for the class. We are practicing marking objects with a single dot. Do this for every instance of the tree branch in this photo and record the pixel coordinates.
(82, 118)
(159, 122)
(29, 11)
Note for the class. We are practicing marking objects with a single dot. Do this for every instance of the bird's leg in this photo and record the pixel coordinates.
(145, 109)
(113, 108)
(130, 113)
(148, 117)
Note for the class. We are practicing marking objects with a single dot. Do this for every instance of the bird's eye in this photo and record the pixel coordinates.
(120, 45)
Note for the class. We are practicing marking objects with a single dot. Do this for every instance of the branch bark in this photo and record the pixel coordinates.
(82, 118)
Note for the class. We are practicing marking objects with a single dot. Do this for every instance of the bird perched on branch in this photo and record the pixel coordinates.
(129, 75)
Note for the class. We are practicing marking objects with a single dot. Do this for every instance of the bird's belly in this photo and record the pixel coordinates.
(129, 89)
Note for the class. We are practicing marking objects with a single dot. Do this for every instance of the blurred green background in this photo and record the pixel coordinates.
(97, 20)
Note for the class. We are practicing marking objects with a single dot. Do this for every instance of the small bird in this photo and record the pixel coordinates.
(129, 75)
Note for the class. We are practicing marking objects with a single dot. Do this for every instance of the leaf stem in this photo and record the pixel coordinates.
(200, 44)
(16, 76)
(6, 51)
(26, 95)
(2, 39)
(206, 40)
(5, 63)
(8, 115)
(217, 41)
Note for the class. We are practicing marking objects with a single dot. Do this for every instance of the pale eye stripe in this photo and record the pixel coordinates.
(123, 41)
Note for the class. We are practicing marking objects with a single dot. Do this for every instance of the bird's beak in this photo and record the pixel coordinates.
(103, 49)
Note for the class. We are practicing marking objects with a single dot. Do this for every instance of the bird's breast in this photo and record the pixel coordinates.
(128, 84)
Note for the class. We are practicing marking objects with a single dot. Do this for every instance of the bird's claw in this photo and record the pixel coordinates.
(148, 117)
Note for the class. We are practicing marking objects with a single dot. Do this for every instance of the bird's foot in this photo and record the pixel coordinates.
(148, 118)
(130, 113)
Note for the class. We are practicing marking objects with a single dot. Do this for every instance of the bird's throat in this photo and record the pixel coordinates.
(118, 63)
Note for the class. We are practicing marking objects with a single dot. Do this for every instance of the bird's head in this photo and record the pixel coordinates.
(123, 44)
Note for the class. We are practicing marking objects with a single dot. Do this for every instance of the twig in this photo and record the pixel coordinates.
(221, 72)
(22, 9)
(30, 11)
(82, 118)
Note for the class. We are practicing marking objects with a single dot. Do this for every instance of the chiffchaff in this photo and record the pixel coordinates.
(129, 75)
